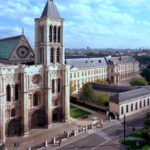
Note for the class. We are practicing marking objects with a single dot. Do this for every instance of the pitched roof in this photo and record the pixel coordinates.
(120, 60)
(50, 10)
(7, 45)
(112, 88)
(125, 96)
(84, 63)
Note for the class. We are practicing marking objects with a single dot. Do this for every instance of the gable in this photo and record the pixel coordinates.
(22, 43)
(7, 46)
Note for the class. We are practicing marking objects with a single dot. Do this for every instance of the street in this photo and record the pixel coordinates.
(106, 139)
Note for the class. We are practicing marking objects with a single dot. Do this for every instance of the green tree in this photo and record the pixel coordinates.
(103, 99)
(146, 74)
(102, 81)
(72, 88)
(87, 92)
(138, 82)
(146, 135)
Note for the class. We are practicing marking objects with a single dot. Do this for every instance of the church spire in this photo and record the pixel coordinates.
(50, 10)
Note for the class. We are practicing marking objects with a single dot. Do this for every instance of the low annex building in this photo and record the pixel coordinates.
(130, 102)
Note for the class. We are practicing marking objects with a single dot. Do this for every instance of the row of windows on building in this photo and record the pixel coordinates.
(8, 92)
(54, 34)
(53, 52)
(130, 108)
(85, 73)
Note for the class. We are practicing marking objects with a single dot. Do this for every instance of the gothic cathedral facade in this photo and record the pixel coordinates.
(37, 95)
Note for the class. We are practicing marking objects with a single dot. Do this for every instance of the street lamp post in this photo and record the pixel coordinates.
(124, 128)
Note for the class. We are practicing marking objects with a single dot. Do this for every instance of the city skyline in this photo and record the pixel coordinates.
(94, 23)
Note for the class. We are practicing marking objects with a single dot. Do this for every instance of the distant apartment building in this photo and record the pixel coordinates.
(113, 69)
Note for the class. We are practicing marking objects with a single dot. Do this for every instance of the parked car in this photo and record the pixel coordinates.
(84, 117)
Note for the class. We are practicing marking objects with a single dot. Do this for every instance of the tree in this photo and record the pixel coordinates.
(146, 135)
(102, 81)
(103, 99)
(72, 88)
(146, 74)
(87, 92)
(138, 82)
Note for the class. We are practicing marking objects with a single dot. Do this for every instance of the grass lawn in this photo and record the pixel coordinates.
(72, 107)
(132, 144)
(77, 113)
(137, 133)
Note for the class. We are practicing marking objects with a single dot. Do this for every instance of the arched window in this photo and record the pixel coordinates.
(148, 102)
(58, 55)
(52, 55)
(53, 86)
(122, 110)
(58, 85)
(55, 34)
(16, 92)
(35, 99)
(131, 107)
(136, 106)
(8, 91)
(41, 55)
(50, 33)
(42, 33)
(13, 113)
(59, 31)
(127, 108)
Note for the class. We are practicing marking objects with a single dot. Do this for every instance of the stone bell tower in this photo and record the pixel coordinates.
(49, 45)
(49, 36)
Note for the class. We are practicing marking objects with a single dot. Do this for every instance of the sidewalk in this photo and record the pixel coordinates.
(39, 136)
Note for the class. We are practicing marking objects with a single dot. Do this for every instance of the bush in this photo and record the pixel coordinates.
(138, 82)
(102, 81)
(147, 123)
(146, 135)
(87, 106)
(103, 99)
(148, 115)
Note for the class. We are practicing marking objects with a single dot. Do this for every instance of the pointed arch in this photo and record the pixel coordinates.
(59, 34)
(13, 113)
(8, 93)
(55, 32)
(35, 99)
(52, 55)
(16, 92)
(50, 33)
(58, 55)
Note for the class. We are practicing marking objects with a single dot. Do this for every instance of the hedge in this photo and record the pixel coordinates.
(74, 101)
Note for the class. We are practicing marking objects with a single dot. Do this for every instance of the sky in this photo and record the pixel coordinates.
(92, 23)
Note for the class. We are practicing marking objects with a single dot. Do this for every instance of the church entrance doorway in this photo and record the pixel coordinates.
(14, 128)
(57, 115)
(38, 119)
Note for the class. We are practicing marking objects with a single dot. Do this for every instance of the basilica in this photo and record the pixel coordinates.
(34, 95)
(35, 85)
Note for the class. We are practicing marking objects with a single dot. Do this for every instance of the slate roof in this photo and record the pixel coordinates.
(120, 60)
(85, 63)
(112, 88)
(125, 96)
(50, 10)
(7, 45)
